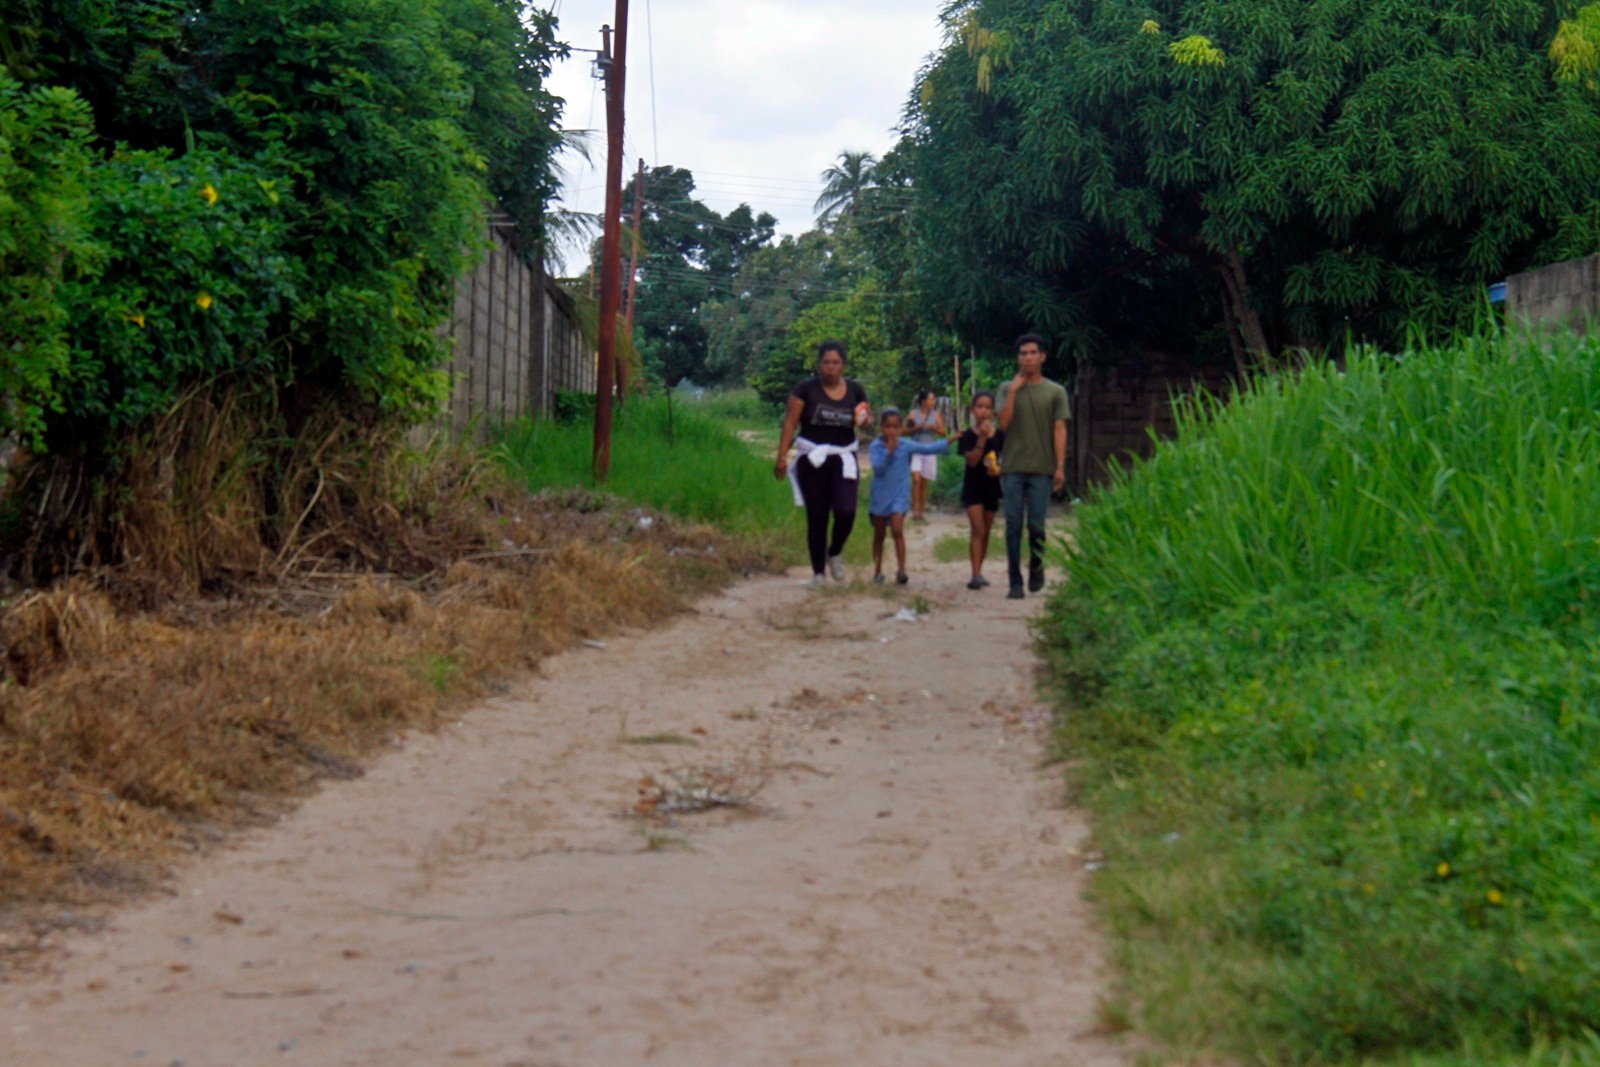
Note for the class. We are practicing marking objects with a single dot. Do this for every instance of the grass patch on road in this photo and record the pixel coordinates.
(684, 458)
(1333, 668)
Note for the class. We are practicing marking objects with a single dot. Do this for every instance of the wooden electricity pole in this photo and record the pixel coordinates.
(633, 268)
(614, 59)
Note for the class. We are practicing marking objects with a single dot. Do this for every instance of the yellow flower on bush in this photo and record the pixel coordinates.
(137, 319)
(203, 301)
(1494, 897)
(1150, 26)
(1443, 870)
(208, 193)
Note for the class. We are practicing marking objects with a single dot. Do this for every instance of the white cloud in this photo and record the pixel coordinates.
(756, 97)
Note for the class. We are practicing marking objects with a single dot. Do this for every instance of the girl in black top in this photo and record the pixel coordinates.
(821, 421)
(980, 485)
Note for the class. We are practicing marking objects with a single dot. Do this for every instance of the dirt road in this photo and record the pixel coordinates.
(886, 876)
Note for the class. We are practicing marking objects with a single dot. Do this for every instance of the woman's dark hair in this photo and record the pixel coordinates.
(831, 346)
(981, 393)
(1032, 338)
(922, 394)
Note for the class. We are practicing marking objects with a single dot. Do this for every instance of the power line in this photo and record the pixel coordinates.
(650, 46)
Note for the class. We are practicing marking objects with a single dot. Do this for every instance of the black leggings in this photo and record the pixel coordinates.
(827, 492)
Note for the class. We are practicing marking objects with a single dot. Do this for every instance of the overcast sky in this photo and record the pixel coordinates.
(756, 97)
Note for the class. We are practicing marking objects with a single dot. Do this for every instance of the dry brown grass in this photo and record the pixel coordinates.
(218, 668)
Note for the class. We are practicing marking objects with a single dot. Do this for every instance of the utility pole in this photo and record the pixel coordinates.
(633, 267)
(614, 59)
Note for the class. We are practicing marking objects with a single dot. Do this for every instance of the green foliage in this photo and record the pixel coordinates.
(1274, 172)
(193, 284)
(44, 242)
(505, 49)
(749, 328)
(845, 184)
(857, 318)
(1575, 51)
(291, 190)
(1333, 660)
(690, 257)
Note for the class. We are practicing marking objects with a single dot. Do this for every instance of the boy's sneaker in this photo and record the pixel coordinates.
(1015, 593)
(1035, 575)
(901, 578)
(836, 568)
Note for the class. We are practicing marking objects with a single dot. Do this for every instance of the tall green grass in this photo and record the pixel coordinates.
(740, 408)
(1334, 680)
(1468, 474)
(666, 455)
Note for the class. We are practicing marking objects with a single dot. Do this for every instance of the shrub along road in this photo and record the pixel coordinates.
(886, 874)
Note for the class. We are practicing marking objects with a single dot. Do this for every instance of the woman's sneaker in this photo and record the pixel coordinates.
(836, 568)
(818, 581)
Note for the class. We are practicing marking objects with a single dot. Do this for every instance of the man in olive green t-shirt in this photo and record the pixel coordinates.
(1033, 414)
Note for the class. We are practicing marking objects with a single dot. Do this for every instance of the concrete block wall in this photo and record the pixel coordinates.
(1563, 295)
(516, 341)
(1115, 408)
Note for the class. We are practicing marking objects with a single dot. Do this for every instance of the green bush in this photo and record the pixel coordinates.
(1335, 680)
(290, 191)
(44, 242)
(194, 284)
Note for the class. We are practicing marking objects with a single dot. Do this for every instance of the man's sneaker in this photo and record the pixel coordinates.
(901, 578)
(1035, 576)
(836, 568)
(1015, 594)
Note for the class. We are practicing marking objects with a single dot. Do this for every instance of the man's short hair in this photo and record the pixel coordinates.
(831, 346)
(1032, 339)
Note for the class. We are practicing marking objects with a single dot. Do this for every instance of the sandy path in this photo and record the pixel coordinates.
(905, 890)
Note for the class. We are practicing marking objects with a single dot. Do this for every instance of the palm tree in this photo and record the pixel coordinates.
(844, 183)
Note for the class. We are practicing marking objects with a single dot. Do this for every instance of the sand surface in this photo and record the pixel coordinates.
(889, 875)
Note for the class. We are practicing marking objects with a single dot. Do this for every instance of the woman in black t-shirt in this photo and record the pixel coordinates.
(980, 485)
(821, 422)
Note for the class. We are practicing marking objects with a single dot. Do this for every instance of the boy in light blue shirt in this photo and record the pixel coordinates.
(891, 488)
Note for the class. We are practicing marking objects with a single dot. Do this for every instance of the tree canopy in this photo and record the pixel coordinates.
(1270, 173)
(280, 191)
(689, 259)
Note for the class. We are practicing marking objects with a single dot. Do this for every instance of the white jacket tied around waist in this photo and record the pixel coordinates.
(817, 455)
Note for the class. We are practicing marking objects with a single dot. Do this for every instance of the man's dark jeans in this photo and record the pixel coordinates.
(1027, 498)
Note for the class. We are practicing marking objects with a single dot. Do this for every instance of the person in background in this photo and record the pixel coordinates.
(980, 484)
(892, 456)
(821, 421)
(1033, 414)
(925, 424)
